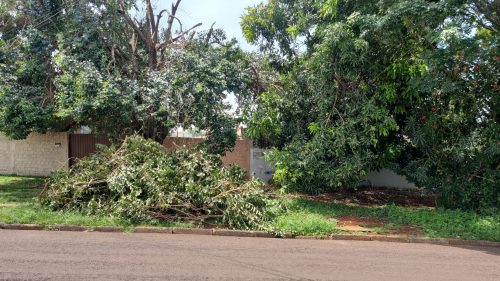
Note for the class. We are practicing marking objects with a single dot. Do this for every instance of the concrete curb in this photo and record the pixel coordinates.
(22, 226)
(165, 230)
(404, 239)
(192, 231)
(257, 234)
(106, 229)
(67, 228)
(242, 233)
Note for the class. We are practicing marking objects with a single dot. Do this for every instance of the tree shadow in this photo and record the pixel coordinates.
(19, 189)
(491, 250)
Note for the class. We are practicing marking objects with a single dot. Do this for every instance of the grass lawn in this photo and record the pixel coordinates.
(18, 204)
(306, 217)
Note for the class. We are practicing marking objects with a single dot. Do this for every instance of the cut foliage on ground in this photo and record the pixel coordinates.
(141, 181)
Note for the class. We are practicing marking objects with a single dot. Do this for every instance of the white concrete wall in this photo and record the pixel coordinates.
(38, 155)
(387, 178)
(260, 167)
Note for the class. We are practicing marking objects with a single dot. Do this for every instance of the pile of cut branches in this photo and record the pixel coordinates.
(142, 181)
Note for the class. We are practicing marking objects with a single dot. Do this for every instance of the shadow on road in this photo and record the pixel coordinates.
(488, 250)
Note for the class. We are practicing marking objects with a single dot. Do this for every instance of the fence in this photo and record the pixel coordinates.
(81, 145)
(239, 156)
(41, 154)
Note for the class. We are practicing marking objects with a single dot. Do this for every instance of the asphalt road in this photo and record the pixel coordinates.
(39, 255)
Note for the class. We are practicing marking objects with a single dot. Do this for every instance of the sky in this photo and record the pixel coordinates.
(225, 13)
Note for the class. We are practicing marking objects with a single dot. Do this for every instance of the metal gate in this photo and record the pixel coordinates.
(81, 145)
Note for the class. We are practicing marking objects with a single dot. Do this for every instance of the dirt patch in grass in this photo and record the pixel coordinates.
(359, 224)
(407, 230)
(8, 204)
(380, 226)
(356, 211)
(361, 221)
(379, 196)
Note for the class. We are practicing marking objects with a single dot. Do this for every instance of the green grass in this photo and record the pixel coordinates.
(306, 217)
(303, 223)
(16, 190)
(18, 204)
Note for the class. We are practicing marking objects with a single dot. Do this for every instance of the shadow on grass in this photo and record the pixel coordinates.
(19, 189)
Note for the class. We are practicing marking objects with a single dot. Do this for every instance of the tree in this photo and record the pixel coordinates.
(69, 63)
(149, 32)
(408, 85)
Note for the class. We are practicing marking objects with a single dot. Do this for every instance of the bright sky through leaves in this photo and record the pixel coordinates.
(226, 14)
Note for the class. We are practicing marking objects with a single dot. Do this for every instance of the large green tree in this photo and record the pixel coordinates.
(409, 85)
(117, 66)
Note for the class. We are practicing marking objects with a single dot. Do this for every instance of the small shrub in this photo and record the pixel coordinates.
(141, 181)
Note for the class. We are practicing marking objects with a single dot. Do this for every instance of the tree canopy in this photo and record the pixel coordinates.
(117, 66)
(407, 85)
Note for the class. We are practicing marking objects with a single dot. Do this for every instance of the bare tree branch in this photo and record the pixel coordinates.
(210, 32)
(131, 22)
(171, 19)
(157, 25)
(490, 11)
(186, 32)
(149, 33)
(150, 16)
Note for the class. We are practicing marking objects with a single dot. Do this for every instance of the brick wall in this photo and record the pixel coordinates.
(240, 156)
(38, 155)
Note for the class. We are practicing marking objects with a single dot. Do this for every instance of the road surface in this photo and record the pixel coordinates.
(39, 255)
